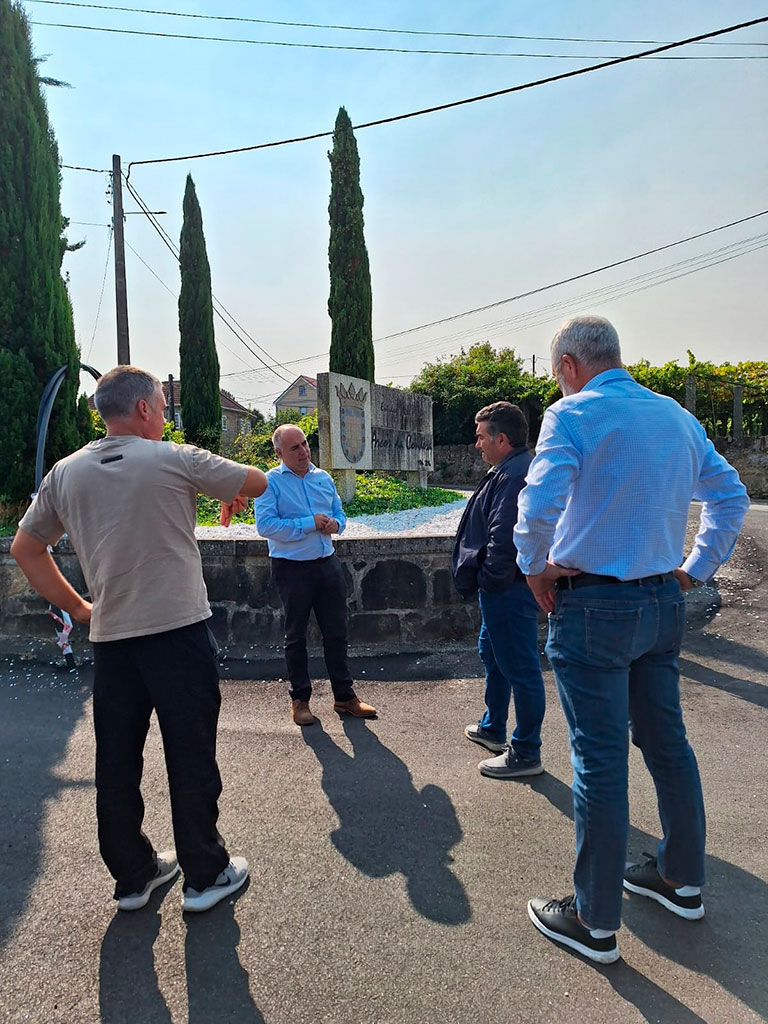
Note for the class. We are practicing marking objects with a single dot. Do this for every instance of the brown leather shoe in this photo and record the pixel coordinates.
(300, 712)
(354, 706)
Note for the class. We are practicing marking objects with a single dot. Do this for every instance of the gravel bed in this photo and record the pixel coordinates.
(441, 520)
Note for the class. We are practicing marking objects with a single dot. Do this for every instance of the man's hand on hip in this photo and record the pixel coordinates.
(543, 584)
(682, 577)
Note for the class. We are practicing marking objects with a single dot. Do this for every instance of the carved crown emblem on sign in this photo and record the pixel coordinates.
(352, 421)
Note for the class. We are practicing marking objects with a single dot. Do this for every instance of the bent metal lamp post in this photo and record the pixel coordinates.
(50, 392)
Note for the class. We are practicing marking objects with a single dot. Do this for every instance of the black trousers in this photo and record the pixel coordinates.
(303, 587)
(174, 673)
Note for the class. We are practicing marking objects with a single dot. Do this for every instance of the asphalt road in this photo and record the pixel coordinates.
(389, 879)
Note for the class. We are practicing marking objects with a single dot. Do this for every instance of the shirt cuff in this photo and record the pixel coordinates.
(307, 524)
(531, 568)
(700, 569)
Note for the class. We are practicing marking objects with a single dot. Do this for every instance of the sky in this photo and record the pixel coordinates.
(464, 207)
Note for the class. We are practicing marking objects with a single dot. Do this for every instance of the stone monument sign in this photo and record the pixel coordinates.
(362, 425)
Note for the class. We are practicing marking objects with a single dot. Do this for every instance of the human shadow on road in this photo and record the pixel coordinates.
(39, 710)
(726, 945)
(217, 983)
(128, 987)
(218, 986)
(386, 825)
(745, 689)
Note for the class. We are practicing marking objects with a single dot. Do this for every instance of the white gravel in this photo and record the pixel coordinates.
(441, 520)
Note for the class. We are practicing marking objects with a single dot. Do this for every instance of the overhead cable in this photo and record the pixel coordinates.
(101, 293)
(371, 49)
(568, 280)
(218, 307)
(459, 103)
(368, 28)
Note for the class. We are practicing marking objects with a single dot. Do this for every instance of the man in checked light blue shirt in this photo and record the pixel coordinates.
(298, 513)
(600, 534)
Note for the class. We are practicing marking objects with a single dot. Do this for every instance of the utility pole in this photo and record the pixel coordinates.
(121, 291)
(533, 365)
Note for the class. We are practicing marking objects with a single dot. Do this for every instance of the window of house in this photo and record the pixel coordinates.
(303, 410)
(223, 422)
(302, 390)
(177, 420)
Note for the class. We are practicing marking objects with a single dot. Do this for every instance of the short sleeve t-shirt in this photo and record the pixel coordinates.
(129, 507)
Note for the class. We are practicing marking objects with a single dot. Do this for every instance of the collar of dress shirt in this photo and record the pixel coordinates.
(615, 373)
(285, 469)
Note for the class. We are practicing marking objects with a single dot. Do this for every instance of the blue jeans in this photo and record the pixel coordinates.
(508, 646)
(614, 651)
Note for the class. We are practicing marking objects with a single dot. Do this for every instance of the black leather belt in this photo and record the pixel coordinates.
(593, 579)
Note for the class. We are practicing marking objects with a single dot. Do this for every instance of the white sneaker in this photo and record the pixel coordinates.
(229, 881)
(167, 868)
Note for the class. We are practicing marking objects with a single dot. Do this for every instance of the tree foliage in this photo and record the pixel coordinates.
(350, 301)
(255, 447)
(198, 361)
(36, 328)
(714, 391)
(464, 383)
(461, 385)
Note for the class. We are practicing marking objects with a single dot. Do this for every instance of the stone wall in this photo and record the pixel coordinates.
(750, 459)
(460, 465)
(457, 465)
(401, 598)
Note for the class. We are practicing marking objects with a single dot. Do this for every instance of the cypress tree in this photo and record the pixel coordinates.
(198, 361)
(350, 301)
(36, 328)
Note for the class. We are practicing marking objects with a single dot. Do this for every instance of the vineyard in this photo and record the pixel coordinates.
(462, 384)
(714, 392)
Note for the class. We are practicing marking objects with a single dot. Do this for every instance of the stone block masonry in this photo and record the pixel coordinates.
(401, 598)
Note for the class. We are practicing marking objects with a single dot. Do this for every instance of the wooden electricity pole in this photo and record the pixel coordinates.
(121, 292)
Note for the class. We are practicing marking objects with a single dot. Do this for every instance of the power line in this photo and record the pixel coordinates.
(532, 318)
(361, 28)
(619, 290)
(171, 292)
(288, 362)
(218, 307)
(568, 280)
(101, 293)
(459, 103)
(93, 170)
(371, 49)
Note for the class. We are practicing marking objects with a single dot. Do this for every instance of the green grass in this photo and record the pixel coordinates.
(376, 494)
(10, 514)
(373, 495)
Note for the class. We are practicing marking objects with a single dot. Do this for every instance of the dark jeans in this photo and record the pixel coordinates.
(175, 674)
(508, 646)
(614, 651)
(314, 585)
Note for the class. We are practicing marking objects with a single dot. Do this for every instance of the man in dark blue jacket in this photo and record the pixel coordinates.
(485, 563)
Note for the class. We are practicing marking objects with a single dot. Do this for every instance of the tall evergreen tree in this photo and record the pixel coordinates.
(198, 361)
(36, 327)
(350, 301)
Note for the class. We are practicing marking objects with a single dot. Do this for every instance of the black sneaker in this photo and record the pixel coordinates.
(559, 921)
(510, 765)
(478, 735)
(645, 880)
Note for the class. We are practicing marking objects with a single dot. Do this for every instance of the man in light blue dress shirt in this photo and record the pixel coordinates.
(600, 535)
(298, 513)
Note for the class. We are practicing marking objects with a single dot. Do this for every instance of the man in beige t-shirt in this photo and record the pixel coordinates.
(128, 504)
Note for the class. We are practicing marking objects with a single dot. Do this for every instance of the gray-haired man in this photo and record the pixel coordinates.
(128, 504)
(600, 535)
